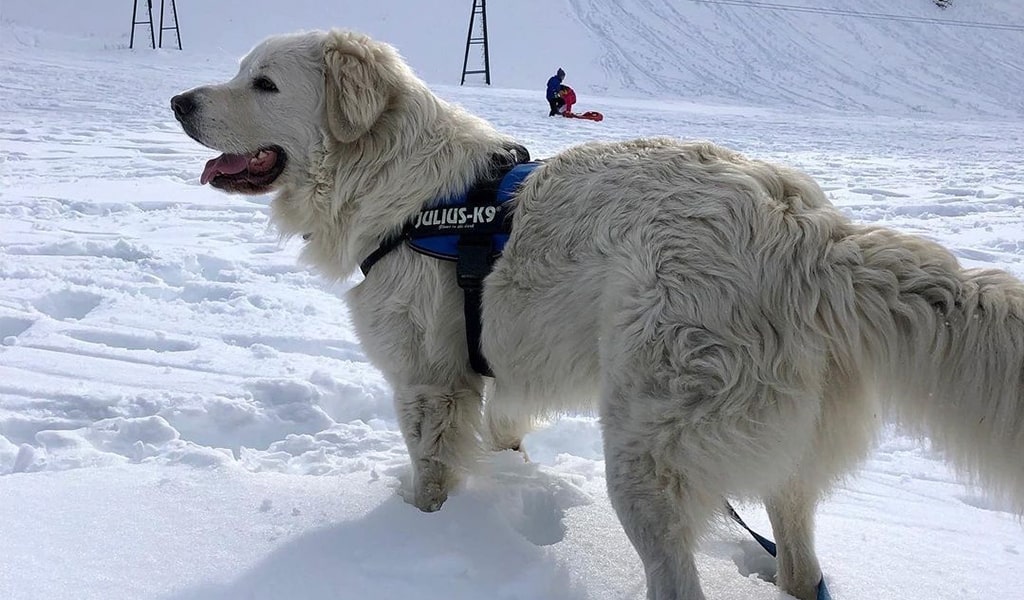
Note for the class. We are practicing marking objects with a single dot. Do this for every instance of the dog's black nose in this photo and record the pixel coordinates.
(183, 105)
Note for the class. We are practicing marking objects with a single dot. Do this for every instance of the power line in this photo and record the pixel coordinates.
(864, 15)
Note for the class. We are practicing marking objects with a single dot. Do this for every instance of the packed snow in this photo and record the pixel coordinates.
(186, 413)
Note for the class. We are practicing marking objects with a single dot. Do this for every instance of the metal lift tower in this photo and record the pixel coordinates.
(149, 21)
(479, 8)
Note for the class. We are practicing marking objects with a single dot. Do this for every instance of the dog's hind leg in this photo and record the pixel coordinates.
(440, 427)
(844, 434)
(662, 511)
(791, 511)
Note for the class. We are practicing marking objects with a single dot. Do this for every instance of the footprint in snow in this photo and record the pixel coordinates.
(67, 304)
(12, 327)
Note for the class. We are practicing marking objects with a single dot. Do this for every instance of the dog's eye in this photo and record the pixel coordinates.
(264, 84)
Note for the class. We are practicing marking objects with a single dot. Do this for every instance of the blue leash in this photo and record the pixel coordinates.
(769, 546)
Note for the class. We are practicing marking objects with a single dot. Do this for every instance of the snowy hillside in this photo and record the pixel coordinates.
(809, 54)
(186, 414)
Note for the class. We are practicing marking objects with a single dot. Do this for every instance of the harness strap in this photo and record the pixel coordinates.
(474, 263)
(386, 246)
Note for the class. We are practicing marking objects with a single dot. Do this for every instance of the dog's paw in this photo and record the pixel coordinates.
(518, 451)
(429, 498)
(427, 485)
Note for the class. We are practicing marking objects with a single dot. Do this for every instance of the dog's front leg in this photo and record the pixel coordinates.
(440, 425)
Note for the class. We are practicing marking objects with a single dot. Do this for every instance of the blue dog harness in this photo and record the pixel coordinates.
(484, 211)
(470, 230)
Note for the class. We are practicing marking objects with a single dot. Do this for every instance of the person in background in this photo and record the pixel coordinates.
(568, 96)
(554, 99)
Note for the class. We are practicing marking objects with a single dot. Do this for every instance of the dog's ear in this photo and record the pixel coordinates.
(355, 91)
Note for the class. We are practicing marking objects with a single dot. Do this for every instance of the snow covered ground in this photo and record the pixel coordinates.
(185, 413)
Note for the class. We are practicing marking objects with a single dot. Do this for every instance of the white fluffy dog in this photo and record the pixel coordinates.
(741, 337)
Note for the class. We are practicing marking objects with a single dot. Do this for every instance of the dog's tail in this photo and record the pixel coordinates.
(947, 348)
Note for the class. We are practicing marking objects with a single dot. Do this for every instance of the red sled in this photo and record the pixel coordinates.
(591, 115)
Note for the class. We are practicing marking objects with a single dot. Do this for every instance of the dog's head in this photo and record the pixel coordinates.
(290, 94)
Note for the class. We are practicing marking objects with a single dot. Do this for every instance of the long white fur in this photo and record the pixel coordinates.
(741, 337)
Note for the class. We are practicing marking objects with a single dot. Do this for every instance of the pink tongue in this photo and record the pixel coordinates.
(225, 164)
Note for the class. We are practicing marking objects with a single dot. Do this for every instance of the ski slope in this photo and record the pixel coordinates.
(828, 59)
(186, 414)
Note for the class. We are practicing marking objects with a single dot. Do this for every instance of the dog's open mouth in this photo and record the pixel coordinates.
(245, 173)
